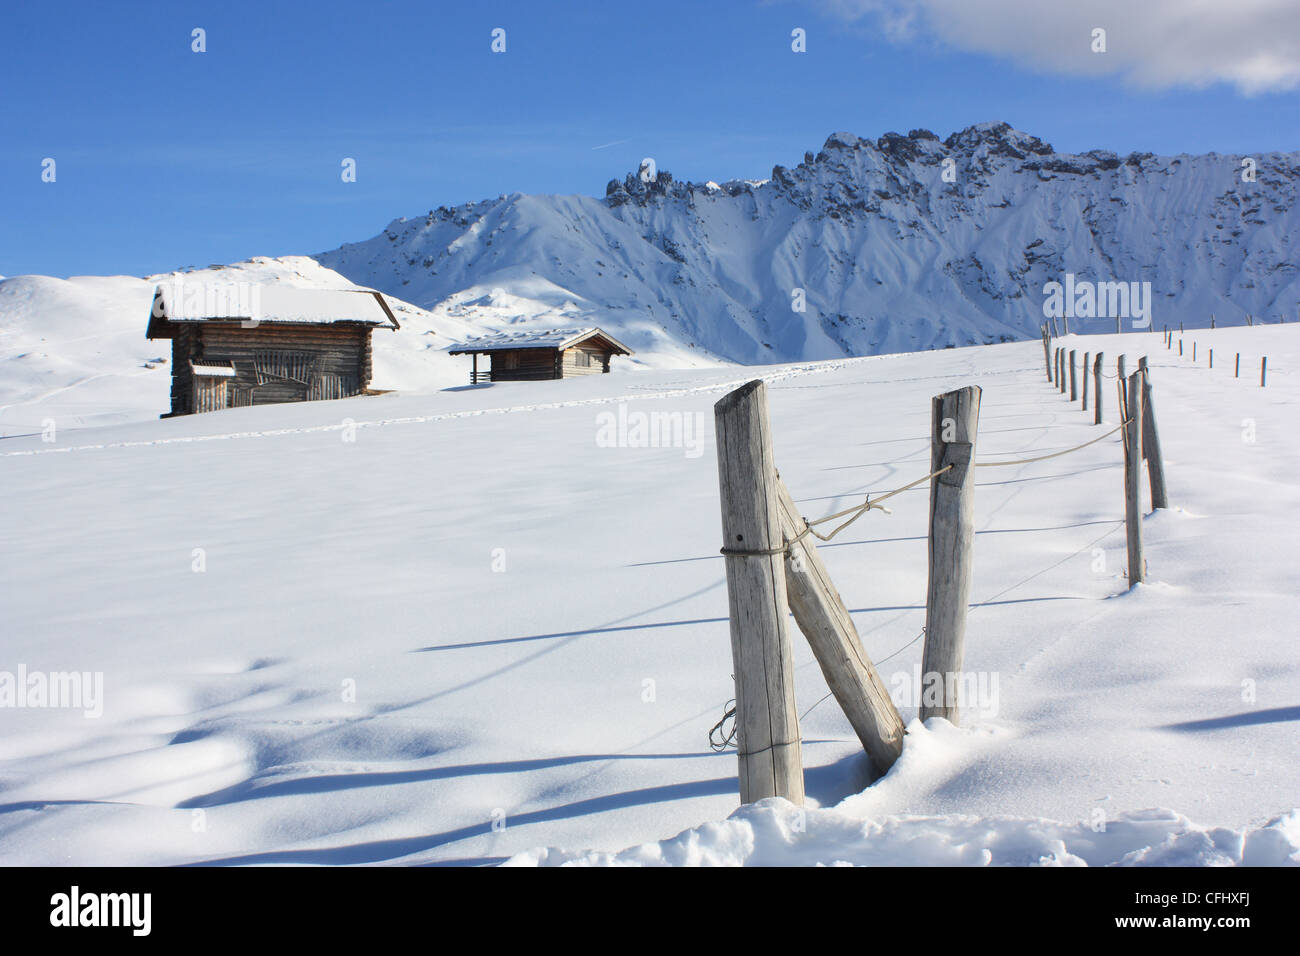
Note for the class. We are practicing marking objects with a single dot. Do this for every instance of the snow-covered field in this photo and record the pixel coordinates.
(466, 626)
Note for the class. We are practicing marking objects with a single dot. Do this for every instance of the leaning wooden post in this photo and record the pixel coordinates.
(1151, 443)
(1096, 382)
(955, 419)
(1084, 375)
(767, 722)
(1133, 479)
(821, 615)
(1074, 388)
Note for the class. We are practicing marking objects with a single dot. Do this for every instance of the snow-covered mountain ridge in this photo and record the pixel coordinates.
(902, 243)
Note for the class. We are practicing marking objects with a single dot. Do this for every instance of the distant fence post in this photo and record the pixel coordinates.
(821, 615)
(1047, 352)
(767, 721)
(1133, 479)
(1151, 443)
(1074, 388)
(1096, 382)
(1084, 370)
(1236, 369)
(955, 420)
(1263, 371)
(1061, 363)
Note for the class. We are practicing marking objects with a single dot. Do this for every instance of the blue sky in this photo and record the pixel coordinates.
(168, 158)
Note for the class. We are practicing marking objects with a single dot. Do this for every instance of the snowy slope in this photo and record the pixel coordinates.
(889, 255)
(73, 351)
(424, 624)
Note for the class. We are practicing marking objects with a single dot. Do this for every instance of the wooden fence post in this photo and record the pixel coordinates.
(825, 621)
(1133, 480)
(955, 420)
(1074, 388)
(767, 721)
(1151, 443)
(1084, 370)
(1121, 364)
(1047, 352)
(1062, 378)
(1263, 370)
(1096, 382)
(1236, 370)
(1211, 358)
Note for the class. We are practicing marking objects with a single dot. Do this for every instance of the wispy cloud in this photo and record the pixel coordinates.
(1253, 45)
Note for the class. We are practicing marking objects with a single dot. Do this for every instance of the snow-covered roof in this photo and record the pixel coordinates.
(212, 371)
(274, 303)
(535, 339)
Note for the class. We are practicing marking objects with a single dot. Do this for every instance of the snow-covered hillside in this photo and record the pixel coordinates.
(466, 626)
(890, 255)
(73, 351)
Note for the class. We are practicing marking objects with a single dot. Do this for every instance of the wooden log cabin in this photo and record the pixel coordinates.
(265, 344)
(537, 355)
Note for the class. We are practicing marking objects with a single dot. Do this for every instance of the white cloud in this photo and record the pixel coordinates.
(1251, 44)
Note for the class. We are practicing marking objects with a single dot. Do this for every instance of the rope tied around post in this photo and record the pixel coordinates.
(810, 527)
(719, 738)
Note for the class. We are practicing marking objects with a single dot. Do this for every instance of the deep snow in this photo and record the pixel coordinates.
(498, 584)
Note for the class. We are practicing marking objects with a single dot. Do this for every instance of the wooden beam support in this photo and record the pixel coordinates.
(821, 615)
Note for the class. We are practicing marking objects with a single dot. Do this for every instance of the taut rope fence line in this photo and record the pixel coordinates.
(770, 555)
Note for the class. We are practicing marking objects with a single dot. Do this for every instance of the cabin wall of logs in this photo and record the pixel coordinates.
(537, 364)
(271, 364)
